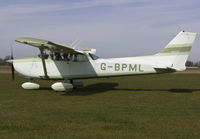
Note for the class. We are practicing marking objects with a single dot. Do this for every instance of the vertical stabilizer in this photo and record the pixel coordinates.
(177, 50)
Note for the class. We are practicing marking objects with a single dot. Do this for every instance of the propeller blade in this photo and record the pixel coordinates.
(13, 72)
(12, 67)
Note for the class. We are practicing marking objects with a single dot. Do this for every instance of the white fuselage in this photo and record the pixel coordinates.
(32, 67)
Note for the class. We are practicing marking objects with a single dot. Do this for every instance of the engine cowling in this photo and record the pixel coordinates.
(59, 86)
(30, 85)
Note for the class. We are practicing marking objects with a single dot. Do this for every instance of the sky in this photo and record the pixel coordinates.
(116, 28)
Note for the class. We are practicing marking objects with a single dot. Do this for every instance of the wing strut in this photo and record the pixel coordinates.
(43, 63)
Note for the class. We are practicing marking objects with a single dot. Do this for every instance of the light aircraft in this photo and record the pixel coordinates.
(58, 61)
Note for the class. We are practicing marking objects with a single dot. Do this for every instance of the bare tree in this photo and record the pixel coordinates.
(3, 61)
(189, 63)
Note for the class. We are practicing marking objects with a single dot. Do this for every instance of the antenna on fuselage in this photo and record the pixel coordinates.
(75, 43)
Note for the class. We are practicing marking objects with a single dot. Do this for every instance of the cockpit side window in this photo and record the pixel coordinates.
(46, 54)
(57, 56)
(94, 57)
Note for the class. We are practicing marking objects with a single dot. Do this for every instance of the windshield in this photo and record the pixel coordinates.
(94, 57)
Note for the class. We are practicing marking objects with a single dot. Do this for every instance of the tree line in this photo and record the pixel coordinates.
(3, 61)
(192, 64)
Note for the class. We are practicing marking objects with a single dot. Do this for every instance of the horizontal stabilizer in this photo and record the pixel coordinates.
(163, 70)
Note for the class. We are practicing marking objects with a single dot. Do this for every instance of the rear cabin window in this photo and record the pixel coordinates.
(94, 57)
(81, 58)
(78, 58)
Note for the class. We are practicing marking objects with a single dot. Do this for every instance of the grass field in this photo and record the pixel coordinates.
(153, 106)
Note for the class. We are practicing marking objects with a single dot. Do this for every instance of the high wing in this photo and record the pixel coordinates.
(54, 47)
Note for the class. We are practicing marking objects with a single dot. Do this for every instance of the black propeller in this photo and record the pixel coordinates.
(12, 67)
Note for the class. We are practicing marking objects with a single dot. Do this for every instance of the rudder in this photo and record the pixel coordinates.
(177, 50)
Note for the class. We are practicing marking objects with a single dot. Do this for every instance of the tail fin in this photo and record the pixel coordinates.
(176, 52)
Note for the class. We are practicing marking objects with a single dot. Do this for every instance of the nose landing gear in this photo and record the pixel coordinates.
(30, 85)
